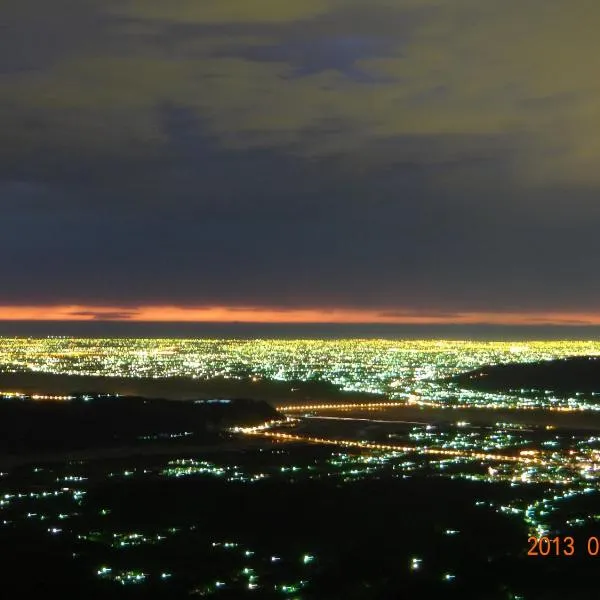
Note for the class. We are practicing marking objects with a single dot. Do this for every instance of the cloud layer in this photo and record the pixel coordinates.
(420, 155)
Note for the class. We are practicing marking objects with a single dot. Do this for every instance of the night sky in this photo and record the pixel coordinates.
(318, 160)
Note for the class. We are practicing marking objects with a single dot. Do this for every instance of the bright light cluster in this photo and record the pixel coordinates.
(394, 367)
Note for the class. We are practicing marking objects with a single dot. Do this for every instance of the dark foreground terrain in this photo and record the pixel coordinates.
(243, 525)
(248, 518)
(100, 421)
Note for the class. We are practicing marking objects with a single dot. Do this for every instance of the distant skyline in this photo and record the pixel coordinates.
(417, 161)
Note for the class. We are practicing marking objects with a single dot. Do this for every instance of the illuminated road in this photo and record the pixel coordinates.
(265, 431)
(572, 460)
(292, 408)
(319, 417)
(414, 401)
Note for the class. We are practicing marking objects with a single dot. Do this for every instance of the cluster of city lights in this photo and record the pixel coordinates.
(563, 463)
(396, 368)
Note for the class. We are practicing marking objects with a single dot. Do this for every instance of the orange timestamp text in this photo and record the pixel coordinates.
(562, 546)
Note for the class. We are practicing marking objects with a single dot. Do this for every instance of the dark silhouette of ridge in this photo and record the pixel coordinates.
(562, 376)
(35, 425)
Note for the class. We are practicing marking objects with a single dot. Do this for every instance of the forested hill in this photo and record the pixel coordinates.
(95, 421)
(562, 376)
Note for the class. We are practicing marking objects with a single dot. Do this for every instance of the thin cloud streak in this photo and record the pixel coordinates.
(235, 314)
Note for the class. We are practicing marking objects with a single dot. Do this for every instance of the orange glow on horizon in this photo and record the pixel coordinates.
(274, 315)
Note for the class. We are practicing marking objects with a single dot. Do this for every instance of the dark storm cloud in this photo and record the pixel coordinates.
(406, 159)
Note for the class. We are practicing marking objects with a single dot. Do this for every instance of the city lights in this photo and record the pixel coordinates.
(414, 425)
